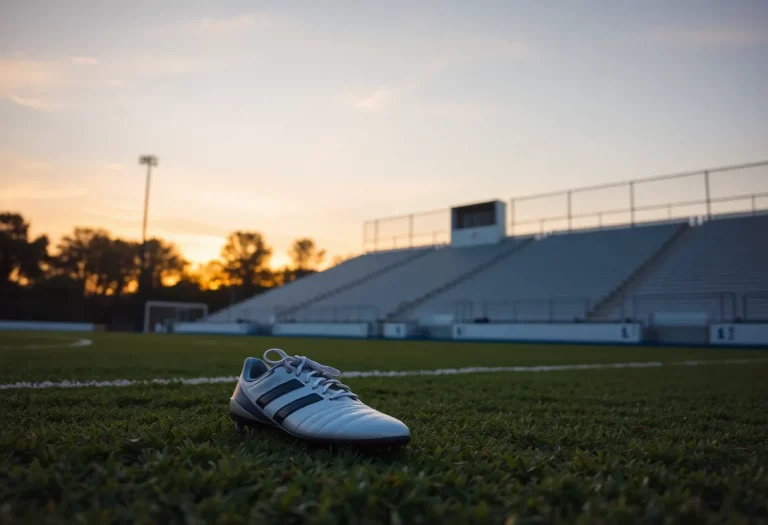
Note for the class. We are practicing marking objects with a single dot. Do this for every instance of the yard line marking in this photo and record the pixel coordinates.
(74, 344)
(380, 373)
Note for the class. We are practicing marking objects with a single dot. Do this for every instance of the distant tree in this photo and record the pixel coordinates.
(305, 256)
(208, 276)
(165, 263)
(246, 259)
(103, 265)
(20, 257)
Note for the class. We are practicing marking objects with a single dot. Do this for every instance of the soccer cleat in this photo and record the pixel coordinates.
(305, 399)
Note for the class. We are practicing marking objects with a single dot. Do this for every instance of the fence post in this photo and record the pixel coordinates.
(632, 202)
(754, 208)
(706, 190)
(512, 217)
(744, 301)
(570, 194)
(375, 235)
(410, 230)
(722, 307)
(599, 219)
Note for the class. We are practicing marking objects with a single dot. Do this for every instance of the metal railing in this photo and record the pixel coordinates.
(719, 306)
(429, 228)
(650, 199)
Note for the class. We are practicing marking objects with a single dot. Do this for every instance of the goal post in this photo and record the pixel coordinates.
(171, 311)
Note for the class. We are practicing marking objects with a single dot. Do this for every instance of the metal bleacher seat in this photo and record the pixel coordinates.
(410, 281)
(263, 306)
(557, 278)
(716, 268)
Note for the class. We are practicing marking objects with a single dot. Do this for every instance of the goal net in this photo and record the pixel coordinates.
(160, 316)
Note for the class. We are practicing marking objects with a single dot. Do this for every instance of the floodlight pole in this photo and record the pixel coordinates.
(150, 161)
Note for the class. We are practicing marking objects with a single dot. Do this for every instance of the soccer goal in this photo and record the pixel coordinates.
(159, 316)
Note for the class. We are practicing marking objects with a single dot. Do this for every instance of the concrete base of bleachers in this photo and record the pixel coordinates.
(625, 333)
(739, 334)
(216, 328)
(360, 330)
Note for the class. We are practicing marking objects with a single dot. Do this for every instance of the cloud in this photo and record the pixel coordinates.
(216, 27)
(464, 52)
(376, 100)
(84, 61)
(46, 84)
(37, 103)
(385, 96)
(232, 24)
(706, 37)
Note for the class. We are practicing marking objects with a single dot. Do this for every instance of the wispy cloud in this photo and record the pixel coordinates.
(232, 24)
(469, 52)
(376, 100)
(706, 37)
(384, 96)
(47, 84)
(38, 103)
(216, 26)
(84, 61)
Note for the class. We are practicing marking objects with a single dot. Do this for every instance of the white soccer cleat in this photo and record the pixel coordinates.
(305, 399)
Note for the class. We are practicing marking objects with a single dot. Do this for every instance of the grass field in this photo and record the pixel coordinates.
(672, 443)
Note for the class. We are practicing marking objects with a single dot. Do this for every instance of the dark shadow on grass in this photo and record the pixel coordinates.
(382, 451)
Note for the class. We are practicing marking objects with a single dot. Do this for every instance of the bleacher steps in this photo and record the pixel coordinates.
(605, 305)
(406, 306)
(281, 315)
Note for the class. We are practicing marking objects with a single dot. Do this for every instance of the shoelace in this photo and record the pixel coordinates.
(323, 375)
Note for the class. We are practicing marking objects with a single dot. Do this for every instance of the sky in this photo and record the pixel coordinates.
(304, 119)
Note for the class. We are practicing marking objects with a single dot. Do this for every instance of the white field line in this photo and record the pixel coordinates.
(380, 373)
(73, 344)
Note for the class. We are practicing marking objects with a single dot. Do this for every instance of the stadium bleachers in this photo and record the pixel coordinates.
(262, 307)
(378, 298)
(719, 268)
(716, 268)
(556, 278)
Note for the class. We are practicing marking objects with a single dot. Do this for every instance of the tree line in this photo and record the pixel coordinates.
(92, 274)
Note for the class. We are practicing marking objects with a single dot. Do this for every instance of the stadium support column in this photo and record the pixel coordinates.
(706, 191)
(512, 217)
(150, 161)
(410, 230)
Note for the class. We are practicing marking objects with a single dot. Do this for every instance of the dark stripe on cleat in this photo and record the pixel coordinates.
(293, 406)
(242, 400)
(279, 390)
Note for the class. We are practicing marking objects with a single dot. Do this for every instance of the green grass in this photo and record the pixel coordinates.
(676, 444)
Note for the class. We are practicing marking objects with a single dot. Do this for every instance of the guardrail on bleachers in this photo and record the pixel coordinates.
(740, 188)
